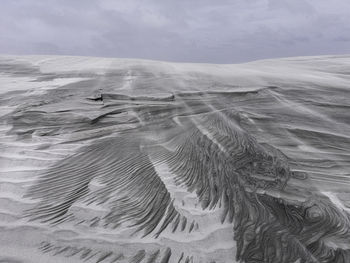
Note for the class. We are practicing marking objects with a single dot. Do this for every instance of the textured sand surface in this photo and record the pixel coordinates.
(117, 160)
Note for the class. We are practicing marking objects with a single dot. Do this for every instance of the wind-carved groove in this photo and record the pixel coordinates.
(82, 253)
(153, 257)
(131, 188)
(211, 155)
(204, 157)
(87, 254)
(138, 257)
(224, 165)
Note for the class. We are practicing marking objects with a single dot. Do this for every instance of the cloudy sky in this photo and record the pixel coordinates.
(215, 31)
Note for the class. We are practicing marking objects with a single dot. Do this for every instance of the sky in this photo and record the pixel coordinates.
(210, 31)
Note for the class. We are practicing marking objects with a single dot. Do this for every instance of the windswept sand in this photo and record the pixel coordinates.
(124, 160)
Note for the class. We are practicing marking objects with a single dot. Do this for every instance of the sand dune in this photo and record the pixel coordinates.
(124, 160)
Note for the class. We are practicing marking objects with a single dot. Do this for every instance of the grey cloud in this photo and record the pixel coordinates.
(197, 31)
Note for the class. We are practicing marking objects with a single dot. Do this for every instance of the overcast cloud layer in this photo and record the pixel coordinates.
(219, 31)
